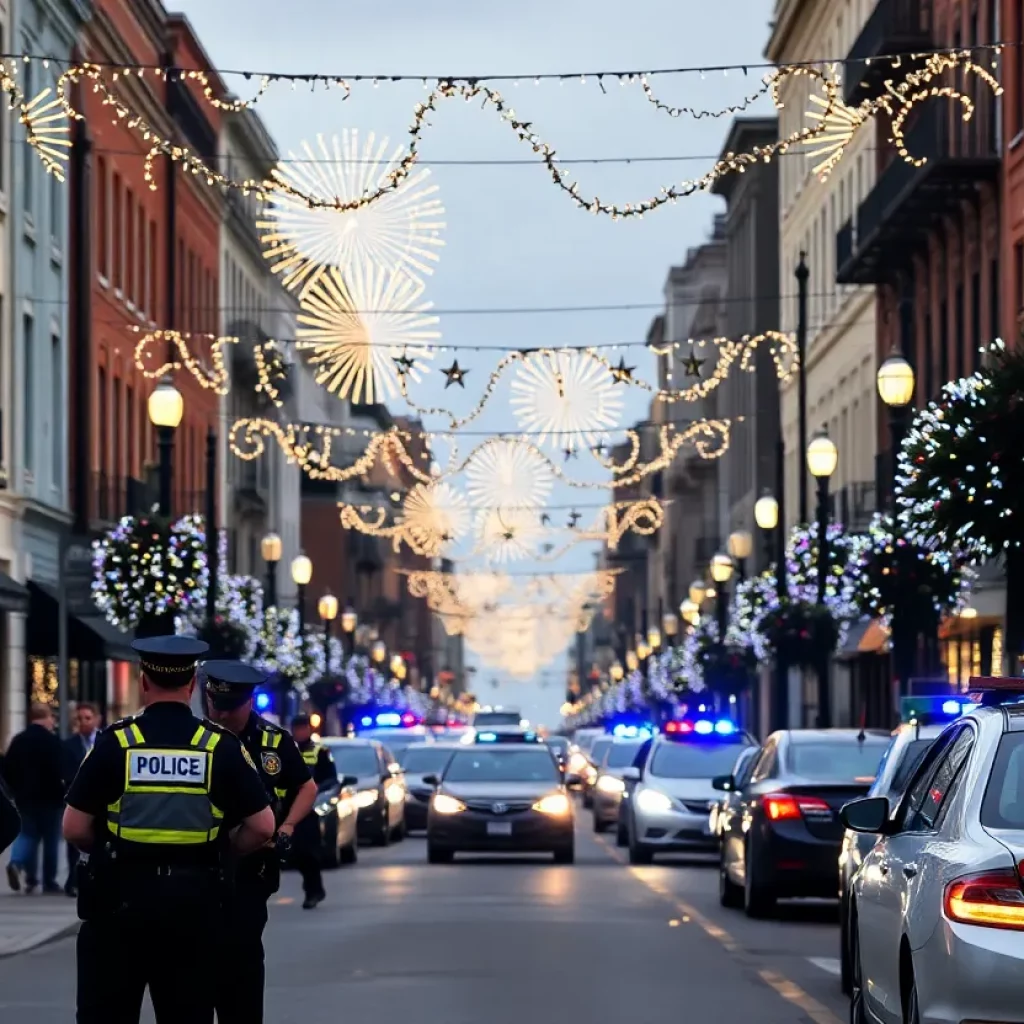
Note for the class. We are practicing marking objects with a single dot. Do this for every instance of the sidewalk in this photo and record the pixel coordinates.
(30, 921)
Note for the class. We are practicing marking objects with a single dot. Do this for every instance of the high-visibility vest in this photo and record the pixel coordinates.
(271, 741)
(166, 799)
(311, 756)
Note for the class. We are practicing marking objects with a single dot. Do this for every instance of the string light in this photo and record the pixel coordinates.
(216, 380)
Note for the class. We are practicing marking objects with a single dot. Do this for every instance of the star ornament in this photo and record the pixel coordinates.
(455, 375)
(692, 365)
(403, 364)
(622, 373)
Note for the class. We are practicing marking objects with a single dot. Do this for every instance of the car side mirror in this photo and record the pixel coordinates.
(630, 774)
(723, 783)
(431, 780)
(350, 780)
(870, 815)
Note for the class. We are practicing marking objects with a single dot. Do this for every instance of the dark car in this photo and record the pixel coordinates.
(561, 748)
(500, 799)
(783, 840)
(595, 755)
(335, 814)
(380, 787)
(728, 804)
(418, 762)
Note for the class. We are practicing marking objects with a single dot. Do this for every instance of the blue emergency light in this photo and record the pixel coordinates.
(932, 709)
(701, 727)
(486, 737)
(389, 719)
(624, 731)
(262, 701)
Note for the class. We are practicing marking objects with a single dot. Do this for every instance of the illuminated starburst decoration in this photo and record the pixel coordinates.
(507, 474)
(836, 124)
(401, 229)
(567, 398)
(357, 326)
(435, 515)
(48, 131)
(508, 535)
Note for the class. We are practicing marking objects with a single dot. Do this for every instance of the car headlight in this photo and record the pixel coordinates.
(652, 801)
(366, 798)
(556, 804)
(591, 775)
(445, 804)
(578, 764)
(395, 794)
(610, 784)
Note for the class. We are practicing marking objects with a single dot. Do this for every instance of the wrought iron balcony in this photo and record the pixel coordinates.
(907, 201)
(896, 28)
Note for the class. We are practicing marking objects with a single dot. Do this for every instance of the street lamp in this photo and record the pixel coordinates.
(632, 661)
(721, 573)
(766, 512)
(895, 381)
(379, 651)
(740, 545)
(398, 667)
(670, 624)
(690, 612)
(327, 606)
(721, 568)
(616, 672)
(654, 638)
(302, 573)
(698, 592)
(271, 549)
(349, 622)
(822, 459)
(166, 408)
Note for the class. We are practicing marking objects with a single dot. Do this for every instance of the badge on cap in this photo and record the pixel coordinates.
(271, 762)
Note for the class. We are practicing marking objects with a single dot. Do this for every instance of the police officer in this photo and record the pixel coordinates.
(154, 807)
(306, 846)
(230, 686)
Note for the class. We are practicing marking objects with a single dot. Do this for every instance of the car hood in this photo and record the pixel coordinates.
(499, 790)
(683, 789)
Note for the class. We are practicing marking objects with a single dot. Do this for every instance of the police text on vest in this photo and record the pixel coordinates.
(171, 767)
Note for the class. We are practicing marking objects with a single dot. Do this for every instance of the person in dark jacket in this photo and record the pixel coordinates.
(76, 749)
(10, 820)
(33, 769)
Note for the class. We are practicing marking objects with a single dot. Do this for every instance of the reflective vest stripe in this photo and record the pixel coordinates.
(311, 756)
(161, 837)
(270, 739)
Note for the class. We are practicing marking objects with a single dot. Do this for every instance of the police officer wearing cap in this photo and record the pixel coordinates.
(154, 808)
(305, 855)
(230, 686)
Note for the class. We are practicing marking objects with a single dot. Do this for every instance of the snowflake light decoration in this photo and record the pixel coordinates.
(357, 326)
(435, 515)
(569, 399)
(402, 229)
(47, 130)
(507, 474)
(507, 535)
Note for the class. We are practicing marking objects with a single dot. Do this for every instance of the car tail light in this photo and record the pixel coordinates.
(994, 899)
(786, 807)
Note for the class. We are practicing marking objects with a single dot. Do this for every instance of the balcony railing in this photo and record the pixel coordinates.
(907, 200)
(895, 28)
(110, 498)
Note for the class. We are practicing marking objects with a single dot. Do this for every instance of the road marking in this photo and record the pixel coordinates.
(283, 901)
(829, 964)
(789, 990)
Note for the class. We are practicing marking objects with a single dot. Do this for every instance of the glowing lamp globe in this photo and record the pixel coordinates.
(690, 612)
(822, 456)
(632, 661)
(653, 637)
(740, 544)
(166, 406)
(349, 620)
(698, 591)
(270, 548)
(302, 570)
(766, 512)
(721, 568)
(379, 651)
(670, 624)
(327, 606)
(895, 380)
(616, 671)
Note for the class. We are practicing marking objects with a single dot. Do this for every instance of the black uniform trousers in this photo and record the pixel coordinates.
(241, 974)
(305, 855)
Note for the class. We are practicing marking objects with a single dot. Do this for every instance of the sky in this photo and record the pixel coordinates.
(513, 240)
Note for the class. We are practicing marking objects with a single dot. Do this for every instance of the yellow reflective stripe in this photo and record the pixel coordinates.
(190, 790)
(211, 741)
(276, 741)
(122, 739)
(280, 793)
(197, 736)
(136, 733)
(166, 837)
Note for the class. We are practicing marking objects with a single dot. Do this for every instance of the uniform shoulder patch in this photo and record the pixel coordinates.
(248, 759)
(271, 761)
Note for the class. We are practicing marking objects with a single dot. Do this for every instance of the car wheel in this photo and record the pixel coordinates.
(857, 1013)
(600, 825)
(349, 854)
(758, 900)
(911, 1009)
(438, 854)
(565, 855)
(845, 980)
(729, 893)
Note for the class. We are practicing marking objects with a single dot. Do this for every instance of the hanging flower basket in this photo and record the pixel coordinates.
(728, 668)
(227, 639)
(804, 634)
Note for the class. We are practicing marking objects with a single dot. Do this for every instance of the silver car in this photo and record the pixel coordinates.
(609, 787)
(670, 805)
(937, 906)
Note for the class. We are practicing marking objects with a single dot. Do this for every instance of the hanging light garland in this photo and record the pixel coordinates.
(217, 379)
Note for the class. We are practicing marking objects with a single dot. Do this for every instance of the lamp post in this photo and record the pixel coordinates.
(166, 408)
(802, 274)
(721, 573)
(327, 606)
(698, 592)
(822, 459)
(378, 652)
(349, 622)
(689, 612)
(270, 548)
(767, 517)
(670, 626)
(616, 672)
(302, 573)
(740, 545)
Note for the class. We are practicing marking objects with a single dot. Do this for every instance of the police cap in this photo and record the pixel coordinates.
(170, 661)
(230, 683)
(300, 720)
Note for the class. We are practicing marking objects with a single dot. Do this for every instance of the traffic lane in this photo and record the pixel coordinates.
(800, 942)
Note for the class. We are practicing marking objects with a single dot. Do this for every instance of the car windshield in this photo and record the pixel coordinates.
(697, 760)
(559, 744)
(502, 766)
(620, 755)
(1003, 806)
(353, 760)
(485, 719)
(599, 749)
(423, 759)
(912, 754)
(837, 762)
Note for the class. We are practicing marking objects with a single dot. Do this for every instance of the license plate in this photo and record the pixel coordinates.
(499, 828)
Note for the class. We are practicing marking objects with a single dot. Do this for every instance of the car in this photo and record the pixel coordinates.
(508, 798)
(937, 907)
(418, 762)
(727, 804)
(923, 720)
(588, 772)
(671, 787)
(380, 787)
(506, 734)
(336, 817)
(496, 718)
(609, 787)
(783, 840)
(399, 739)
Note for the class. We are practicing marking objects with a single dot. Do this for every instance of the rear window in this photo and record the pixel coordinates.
(485, 719)
(837, 762)
(620, 755)
(423, 759)
(696, 760)
(1003, 806)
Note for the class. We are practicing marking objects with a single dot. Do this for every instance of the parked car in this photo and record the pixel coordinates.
(727, 804)
(380, 787)
(609, 787)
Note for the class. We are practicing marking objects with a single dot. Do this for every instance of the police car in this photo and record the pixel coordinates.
(937, 906)
(921, 720)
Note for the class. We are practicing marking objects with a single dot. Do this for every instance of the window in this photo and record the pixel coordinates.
(102, 216)
(56, 210)
(28, 154)
(959, 337)
(1018, 58)
(57, 410)
(118, 234)
(3, 126)
(620, 755)
(140, 259)
(933, 797)
(698, 760)
(101, 406)
(975, 360)
(28, 388)
(118, 429)
(179, 288)
(129, 245)
(1003, 805)
(929, 363)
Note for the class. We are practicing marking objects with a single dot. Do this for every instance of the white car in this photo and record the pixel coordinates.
(937, 906)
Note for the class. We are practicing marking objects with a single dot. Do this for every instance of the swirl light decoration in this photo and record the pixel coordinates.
(505, 473)
(568, 398)
(357, 326)
(302, 241)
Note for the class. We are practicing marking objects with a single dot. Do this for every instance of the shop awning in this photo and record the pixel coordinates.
(867, 636)
(14, 596)
(90, 637)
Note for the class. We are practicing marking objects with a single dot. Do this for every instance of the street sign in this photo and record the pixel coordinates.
(77, 575)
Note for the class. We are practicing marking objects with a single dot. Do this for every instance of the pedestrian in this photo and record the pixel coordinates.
(76, 749)
(10, 820)
(230, 687)
(33, 769)
(307, 843)
(157, 807)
